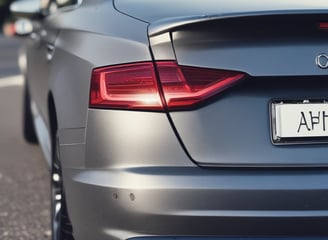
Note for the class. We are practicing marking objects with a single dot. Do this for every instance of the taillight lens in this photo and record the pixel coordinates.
(135, 86)
(185, 86)
(128, 86)
(323, 25)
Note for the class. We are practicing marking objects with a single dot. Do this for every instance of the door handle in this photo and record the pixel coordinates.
(35, 37)
(50, 52)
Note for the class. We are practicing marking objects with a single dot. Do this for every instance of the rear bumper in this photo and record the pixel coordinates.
(191, 201)
(131, 180)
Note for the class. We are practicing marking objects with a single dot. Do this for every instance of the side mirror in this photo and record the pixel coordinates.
(26, 8)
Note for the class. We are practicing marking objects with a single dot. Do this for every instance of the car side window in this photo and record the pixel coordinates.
(45, 7)
(54, 5)
(65, 3)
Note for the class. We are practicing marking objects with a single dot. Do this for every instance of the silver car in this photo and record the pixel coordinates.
(181, 118)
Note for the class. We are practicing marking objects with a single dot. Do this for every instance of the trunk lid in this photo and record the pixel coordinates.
(278, 53)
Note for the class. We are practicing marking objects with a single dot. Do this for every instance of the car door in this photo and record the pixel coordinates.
(40, 50)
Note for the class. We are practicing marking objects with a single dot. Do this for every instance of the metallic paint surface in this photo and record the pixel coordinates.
(132, 173)
(190, 201)
(183, 8)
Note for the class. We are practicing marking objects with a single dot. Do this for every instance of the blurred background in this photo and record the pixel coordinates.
(24, 176)
(4, 12)
(4, 9)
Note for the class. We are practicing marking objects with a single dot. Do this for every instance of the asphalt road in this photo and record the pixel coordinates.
(24, 177)
(8, 56)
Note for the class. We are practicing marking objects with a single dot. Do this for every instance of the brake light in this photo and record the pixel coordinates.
(135, 86)
(185, 86)
(323, 25)
(128, 86)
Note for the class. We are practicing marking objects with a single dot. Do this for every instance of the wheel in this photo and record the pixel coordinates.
(60, 222)
(28, 126)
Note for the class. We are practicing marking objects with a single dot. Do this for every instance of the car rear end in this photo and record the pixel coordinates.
(221, 134)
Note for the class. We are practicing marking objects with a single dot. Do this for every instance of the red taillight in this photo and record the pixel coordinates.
(186, 86)
(323, 25)
(135, 86)
(128, 86)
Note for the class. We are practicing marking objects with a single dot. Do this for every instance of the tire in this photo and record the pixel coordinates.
(60, 223)
(28, 125)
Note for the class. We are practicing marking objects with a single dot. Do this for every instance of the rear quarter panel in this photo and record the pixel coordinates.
(84, 43)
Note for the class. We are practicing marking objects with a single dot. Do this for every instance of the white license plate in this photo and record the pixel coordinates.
(304, 120)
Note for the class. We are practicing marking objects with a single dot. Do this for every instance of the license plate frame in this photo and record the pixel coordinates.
(281, 134)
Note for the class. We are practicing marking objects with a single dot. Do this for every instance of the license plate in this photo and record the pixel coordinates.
(299, 122)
